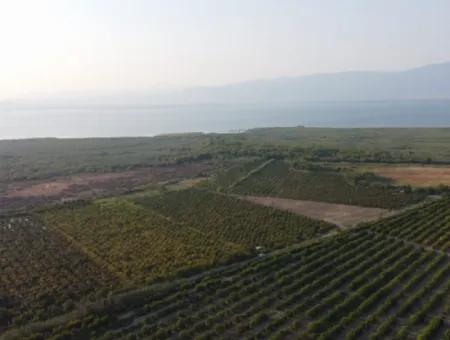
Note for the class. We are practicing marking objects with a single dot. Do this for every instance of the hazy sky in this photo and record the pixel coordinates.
(52, 46)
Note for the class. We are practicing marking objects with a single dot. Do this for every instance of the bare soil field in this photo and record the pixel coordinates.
(418, 176)
(341, 215)
(84, 186)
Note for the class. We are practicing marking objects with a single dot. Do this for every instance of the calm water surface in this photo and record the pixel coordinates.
(103, 122)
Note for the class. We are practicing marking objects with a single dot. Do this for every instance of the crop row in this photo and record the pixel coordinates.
(41, 273)
(136, 244)
(277, 179)
(178, 232)
(428, 225)
(235, 221)
(355, 285)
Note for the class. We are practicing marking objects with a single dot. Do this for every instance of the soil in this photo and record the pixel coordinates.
(419, 176)
(25, 194)
(341, 215)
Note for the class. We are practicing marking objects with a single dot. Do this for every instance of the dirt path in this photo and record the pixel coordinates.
(342, 215)
(250, 173)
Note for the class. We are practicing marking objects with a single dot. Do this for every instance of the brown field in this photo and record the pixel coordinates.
(418, 176)
(341, 215)
(25, 194)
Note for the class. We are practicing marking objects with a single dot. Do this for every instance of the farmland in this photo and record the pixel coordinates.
(429, 226)
(278, 180)
(234, 221)
(26, 194)
(41, 273)
(235, 172)
(134, 244)
(269, 234)
(359, 284)
(158, 237)
(339, 214)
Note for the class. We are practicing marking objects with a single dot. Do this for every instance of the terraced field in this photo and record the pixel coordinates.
(278, 180)
(357, 285)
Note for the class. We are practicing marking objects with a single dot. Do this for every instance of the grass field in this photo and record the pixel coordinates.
(361, 284)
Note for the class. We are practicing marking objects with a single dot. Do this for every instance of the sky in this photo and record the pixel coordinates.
(90, 46)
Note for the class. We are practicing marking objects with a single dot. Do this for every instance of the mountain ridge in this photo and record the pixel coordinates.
(428, 82)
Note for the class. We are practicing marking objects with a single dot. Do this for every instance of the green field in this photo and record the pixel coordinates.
(279, 180)
(235, 221)
(42, 274)
(88, 248)
(429, 226)
(146, 239)
(361, 284)
(136, 238)
(137, 244)
(43, 158)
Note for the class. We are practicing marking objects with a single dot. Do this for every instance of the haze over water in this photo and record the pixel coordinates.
(150, 121)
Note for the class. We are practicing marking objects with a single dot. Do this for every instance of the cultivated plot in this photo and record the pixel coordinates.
(358, 285)
(339, 214)
(42, 273)
(278, 180)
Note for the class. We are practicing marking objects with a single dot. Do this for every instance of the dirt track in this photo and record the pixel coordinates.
(339, 214)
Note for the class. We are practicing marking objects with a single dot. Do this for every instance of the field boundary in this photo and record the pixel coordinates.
(117, 299)
(89, 253)
(344, 216)
(251, 172)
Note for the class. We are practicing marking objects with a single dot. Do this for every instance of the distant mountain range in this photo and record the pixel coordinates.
(427, 82)
(422, 83)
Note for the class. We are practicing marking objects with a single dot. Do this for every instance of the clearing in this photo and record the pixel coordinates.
(418, 176)
(341, 215)
(27, 194)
